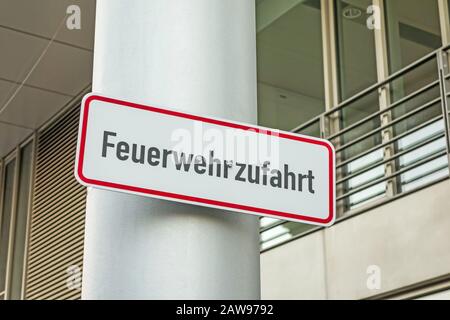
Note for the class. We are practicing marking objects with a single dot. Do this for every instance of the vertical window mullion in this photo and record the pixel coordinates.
(384, 94)
(409, 38)
(329, 58)
(29, 211)
(5, 223)
(331, 122)
(444, 20)
(12, 223)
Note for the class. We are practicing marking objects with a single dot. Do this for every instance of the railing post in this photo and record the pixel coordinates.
(329, 124)
(387, 135)
(322, 126)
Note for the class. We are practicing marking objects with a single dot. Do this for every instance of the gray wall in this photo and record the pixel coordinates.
(408, 239)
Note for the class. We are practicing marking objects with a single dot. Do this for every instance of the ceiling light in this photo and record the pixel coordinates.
(351, 13)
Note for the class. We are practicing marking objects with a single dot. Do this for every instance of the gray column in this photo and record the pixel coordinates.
(197, 56)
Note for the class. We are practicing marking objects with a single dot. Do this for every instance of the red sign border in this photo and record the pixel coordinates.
(196, 200)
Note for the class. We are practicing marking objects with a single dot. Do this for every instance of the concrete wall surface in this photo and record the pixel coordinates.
(401, 243)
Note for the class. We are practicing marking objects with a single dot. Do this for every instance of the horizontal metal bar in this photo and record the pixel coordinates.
(378, 85)
(397, 155)
(388, 177)
(389, 108)
(390, 124)
(389, 79)
(307, 124)
(394, 139)
(428, 173)
(366, 199)
(358, 211)
(273, 225)
(301, 234)
(278, 235)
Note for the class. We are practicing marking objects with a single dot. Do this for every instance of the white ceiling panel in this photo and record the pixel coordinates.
(31, 107)
(10, 137)
(63, 69)
(52, 72)
(42, 18)
(18, 53)
(6, 90)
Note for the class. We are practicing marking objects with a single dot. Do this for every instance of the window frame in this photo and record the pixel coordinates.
(15, 155)
(331, 125)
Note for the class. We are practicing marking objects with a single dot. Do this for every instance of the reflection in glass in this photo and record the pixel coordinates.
(357, 71)
(356, 47)
(290, 62)
(290, 78)
(414, 31)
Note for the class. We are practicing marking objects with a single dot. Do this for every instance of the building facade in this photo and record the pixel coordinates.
(371, 76)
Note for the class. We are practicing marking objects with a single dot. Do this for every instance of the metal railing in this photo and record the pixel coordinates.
(391, 139)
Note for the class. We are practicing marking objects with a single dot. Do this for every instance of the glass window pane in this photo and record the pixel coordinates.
(290, 78)
(5, 220)
(431, 144)
(290, 62)
(413, 30)
(356, 47)
(356, 142)
(21, 222)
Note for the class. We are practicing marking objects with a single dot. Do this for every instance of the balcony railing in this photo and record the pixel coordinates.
(391, 139)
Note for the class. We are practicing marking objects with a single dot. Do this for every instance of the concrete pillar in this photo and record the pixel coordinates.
(198, 56)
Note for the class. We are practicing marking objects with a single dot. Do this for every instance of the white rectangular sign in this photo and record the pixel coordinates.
(176, 156)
